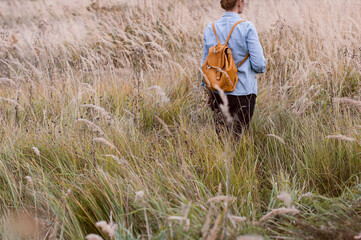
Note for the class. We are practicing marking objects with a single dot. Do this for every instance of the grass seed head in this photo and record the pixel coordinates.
(307, 195)
(68, 192)
(277, 137)
(213, 234)
(160, 92)
(12, 102)
(237, 219)
(221, 199)
(108, 228)
(92, 126)
(250, 237)
(224, 106)
(93, 237)
(165, 126)
(104, 142)
(348, 101)
(7, 81)
(108, 116)
(286, 198)
(139, 196)
(341, 137)
(29, 180)
(278, 212)
(36, 151)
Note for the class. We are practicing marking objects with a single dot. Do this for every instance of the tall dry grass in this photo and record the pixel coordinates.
(104, 128)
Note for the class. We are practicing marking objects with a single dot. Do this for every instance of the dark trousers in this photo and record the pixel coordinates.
(241, 109)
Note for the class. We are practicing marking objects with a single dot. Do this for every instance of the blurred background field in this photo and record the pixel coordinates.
(102, 117)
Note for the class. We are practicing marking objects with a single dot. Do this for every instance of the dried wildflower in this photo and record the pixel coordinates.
(277, 137)
(93, 237)
(108, 228)
(250, 237)
(36, 151)
(286, 198)
(341, 137)
(279, 211)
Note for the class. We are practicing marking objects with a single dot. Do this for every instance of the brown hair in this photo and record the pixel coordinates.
(228, 4)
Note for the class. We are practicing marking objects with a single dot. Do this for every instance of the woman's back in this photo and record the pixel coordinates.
(244, 40)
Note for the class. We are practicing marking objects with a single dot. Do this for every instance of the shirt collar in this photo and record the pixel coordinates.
(231, 14)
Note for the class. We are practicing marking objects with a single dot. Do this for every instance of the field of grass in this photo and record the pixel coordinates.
(102, 118)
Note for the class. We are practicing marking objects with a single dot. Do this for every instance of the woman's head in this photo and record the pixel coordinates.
(233, 5)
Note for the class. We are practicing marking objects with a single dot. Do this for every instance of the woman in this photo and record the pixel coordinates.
(244, 39)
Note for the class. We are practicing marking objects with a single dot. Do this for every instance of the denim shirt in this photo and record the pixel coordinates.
(244, 39)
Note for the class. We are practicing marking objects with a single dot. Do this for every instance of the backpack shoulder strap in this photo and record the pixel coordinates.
(244, 59)
(230, 34)
(215, 32)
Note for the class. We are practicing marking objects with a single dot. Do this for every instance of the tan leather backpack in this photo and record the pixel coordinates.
(219, 67)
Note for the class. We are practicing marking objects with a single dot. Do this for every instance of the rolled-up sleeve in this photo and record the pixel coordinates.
(258, 61)
(205, 53)
(205, 49)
